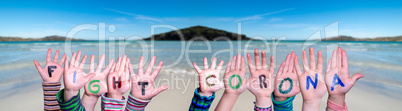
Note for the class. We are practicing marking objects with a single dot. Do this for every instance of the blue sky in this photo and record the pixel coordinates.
(295, 20)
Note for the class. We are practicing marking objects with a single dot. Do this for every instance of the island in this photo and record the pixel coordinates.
(350, 38)
(47, 38)
(191, 33)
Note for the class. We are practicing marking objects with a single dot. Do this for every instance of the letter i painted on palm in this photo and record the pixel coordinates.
(336, 81)
(310, 80)
(75, 75)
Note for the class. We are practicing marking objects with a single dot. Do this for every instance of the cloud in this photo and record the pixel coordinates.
(122, 19)
(275, 19)
(260, 16)
(136, 16)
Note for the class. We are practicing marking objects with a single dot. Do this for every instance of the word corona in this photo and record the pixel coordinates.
(290, 86)
(336, 81)
(97, 86)
(262, 81)
(310, 80)
(206, 80)
(230, 81)
(143, 84)
(116, 83)
(50, 70)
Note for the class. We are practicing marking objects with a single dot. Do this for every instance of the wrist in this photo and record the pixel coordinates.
(312, 105)
(263, 101)
(337, 99)
(114, 96)
(207, 94)
(68, 94)
(280, 98)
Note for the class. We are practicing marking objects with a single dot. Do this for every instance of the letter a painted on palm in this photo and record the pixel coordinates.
(310, 80)
(336, 81)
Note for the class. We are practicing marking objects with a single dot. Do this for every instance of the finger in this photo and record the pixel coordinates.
(91, 64)
(257, 59)
(39, 68)
(123, 63)
(131, 70)
(157, 70)
(220, 66)
(72, 61)
(83, 62)
(243, 65)
(100, 64)
(319, 62)
(264, 60)
(251, 66)
(305, 63)
(205, 63)
(292, 62)
(333, 62)
(356, 77)
(66, 64)
(338, 58)
(88, 77)
(140, 66)
(280, 71)
(213, 65)
(49, 55)
(272, 65)
(77, 59)
(238, 62)
(56, 56)
(196, 68)
(287, 61)
(125, 74)
(298, 71)
(150, 66)
(228, 67)
(108, 67)
(160, 89)
(312, 58)
(112, 69)
(328, 65)
(345, 63)
(63, 59)
(232, 67)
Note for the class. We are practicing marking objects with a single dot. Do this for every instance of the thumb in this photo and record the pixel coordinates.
(89, 77)
(160, 89)
(357, 76)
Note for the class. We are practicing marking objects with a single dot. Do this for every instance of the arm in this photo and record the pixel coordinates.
(235, 83)
(142, 85)
(286, 85)
(338, 80)
(118, 83)
(312, 84)
(74, 80)
(51, 76)
(97, 85)
(261, 80)
(209, 84)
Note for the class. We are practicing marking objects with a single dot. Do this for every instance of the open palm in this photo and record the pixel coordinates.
(118, 80)
(53, 70)
(234, 78)
(286, 79)
(143, 83)
(97, 85)
(262, 80)
(209, 77)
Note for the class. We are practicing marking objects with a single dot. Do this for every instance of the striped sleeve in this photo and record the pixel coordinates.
(256, 108)
(201, 103)
(74, 104)
(135, 104)
(286, 105)
(50, 90)
(110, 104)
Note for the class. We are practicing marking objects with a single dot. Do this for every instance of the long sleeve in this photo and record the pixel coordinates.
(74, 104)
(286, 105)
(50, 90)
(110, 104)
(201, 103)
(135, 104)
(256, 108)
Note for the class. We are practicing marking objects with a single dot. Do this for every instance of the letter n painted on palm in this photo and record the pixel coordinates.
(336, 81)
(314, 83)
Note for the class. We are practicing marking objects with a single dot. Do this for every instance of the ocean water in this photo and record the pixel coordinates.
(380, 62)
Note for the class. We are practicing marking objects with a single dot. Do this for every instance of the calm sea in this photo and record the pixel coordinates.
(380, 62)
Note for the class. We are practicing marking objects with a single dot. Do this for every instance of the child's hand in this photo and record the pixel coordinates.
(209, 78)
(234, 78)
(286, 79)
(53, 70)
(337, 78)
(97, 85)
(118, 80)
(262, 80)
(74, 77)
(142, 84)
